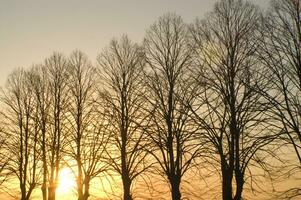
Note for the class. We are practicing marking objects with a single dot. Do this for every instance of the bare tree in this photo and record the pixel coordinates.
(280, 53)
(229, 108)
(88, 132)
(39, 83)
(57, 72)
(122, 98)
(22, 130)
(171, 131)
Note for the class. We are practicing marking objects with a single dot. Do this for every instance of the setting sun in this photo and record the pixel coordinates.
(67, 181)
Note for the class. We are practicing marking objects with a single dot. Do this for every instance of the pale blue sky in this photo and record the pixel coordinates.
(30, 30)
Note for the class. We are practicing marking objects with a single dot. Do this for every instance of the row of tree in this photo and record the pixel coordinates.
(224, 91)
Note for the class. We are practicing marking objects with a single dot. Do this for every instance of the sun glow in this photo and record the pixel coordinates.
(67, 181)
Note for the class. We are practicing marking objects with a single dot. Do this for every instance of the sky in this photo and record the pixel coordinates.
(30, 30)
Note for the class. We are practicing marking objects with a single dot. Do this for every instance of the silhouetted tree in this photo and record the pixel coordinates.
(122, 98)
(39, 83)
(57, 72)
(167, 57)
(280, 53)
(22, 129)
(229, 108)
(88, 138)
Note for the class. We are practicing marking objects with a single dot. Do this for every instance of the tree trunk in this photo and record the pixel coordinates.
(87, 187)
(239, 185)
(126, 180)
(227, 184)
(79, 180)
(44, 184)
(52, 191)
(50, 195)
(80, 192)
(83, 188)
(85, 196)
(44, 191)
(175, 189)
(23, 192)
(127, 188)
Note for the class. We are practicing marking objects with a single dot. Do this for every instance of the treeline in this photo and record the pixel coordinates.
(224, 92)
